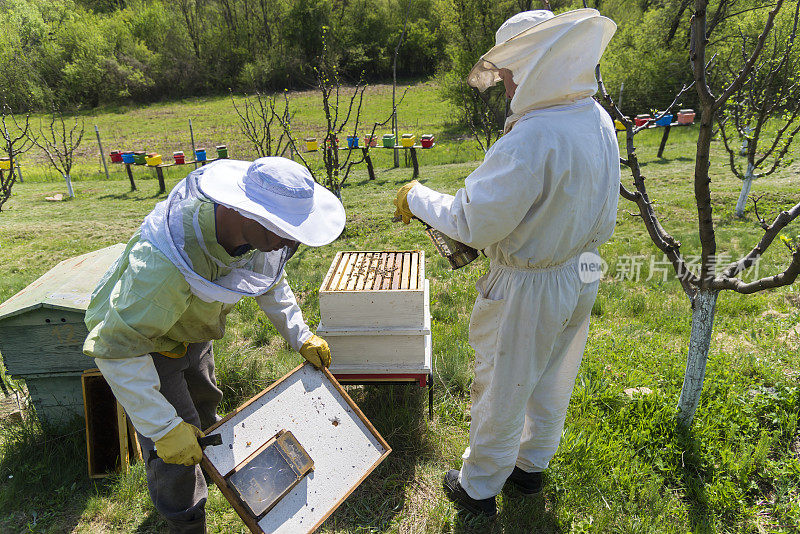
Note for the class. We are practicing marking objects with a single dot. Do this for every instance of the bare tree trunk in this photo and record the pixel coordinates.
(705, 306)
(746, 184)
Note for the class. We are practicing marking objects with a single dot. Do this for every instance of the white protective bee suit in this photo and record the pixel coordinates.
(545, 193)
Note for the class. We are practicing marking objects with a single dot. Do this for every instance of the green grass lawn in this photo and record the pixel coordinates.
(621, 466)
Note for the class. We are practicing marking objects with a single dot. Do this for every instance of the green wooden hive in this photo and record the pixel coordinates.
(42, 333)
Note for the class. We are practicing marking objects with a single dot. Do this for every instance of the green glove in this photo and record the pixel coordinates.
(316, 351)
(403, 212)
(179, 445)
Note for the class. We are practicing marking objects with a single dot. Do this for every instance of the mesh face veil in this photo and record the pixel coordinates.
(173, 227)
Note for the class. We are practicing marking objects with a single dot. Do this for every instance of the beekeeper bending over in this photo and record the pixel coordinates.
(225, 232)
(545, 193)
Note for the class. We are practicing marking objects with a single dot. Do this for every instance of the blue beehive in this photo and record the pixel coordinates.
(666, 120)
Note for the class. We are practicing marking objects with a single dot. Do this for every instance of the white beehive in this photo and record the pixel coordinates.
(374, 312)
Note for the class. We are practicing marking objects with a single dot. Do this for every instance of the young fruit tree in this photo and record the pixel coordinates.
(703, 284)
(59, 142)
(13, 146)
(337, 169)
(764, 113)
(257, 117)
(483, 113)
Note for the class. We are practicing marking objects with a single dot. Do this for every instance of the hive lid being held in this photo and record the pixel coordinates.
(329, 427)
(67, 286)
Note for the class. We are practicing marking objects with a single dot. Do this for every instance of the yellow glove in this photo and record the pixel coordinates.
(316, 351)
(179, 445)
(403, 212)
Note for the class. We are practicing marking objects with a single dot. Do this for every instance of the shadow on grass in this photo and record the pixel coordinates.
(665, 161)
(130, 195)
(518, 513)
(691, 473)
(152, 524)
(43, 482)
(390, 181)
(399, 414)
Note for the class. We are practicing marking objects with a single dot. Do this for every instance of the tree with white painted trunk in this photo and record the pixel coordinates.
(12, 146)
(59, 141)
(703, 285)
(764, 113)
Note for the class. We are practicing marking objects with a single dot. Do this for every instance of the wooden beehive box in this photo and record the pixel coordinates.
(42, 333)
(374, 312)
(111, 442)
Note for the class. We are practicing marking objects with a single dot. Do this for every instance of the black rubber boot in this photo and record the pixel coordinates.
(457, 495)
(527, 483)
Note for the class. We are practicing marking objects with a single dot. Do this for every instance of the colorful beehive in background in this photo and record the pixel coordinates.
(686, 116)
(664, 120)
(375, 313)
(42, 333)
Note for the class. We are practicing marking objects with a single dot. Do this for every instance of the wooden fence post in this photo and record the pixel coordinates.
(102, 156)
(162, 188)
(130, 176)
(194, 154)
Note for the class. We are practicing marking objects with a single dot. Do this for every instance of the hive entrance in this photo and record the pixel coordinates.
(369, 271)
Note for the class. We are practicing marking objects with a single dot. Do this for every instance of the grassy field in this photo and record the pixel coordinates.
(621, 466)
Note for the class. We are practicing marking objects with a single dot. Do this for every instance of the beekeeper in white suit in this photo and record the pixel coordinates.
(545, 193)
(225, 232)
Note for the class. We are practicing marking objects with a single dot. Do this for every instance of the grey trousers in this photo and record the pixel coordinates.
(179, 493)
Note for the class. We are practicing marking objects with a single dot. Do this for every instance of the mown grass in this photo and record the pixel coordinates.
(621, 467)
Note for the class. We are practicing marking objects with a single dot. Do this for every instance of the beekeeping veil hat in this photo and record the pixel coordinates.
(278, 193)
(552, 58)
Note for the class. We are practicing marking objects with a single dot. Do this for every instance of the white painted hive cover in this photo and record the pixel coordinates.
(342, 443)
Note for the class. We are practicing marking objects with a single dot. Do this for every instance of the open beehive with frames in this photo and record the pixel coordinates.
(374, 312)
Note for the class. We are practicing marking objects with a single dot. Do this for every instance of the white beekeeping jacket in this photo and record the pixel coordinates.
(545, 192)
